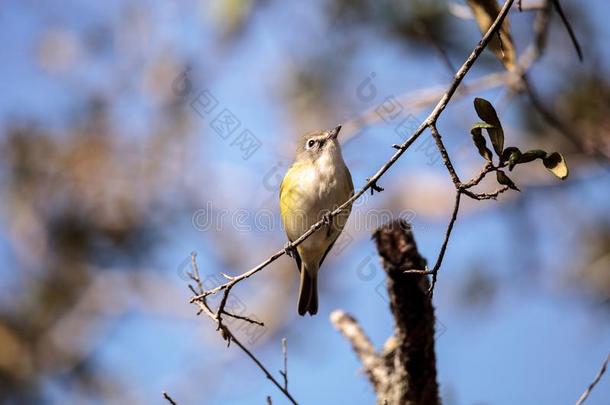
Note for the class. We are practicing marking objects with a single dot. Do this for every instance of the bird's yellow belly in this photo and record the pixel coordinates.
(305, 202)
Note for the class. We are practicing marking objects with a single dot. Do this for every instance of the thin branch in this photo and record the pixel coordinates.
(556, 123)
(226, 332)
(486, 196)
(169, 399)
(489, 167)
(533, 52)
(342, 321)
(541, 29)
(284, 373)
(244, 318)
(571, 33)
(230, 336)
(441, 255)
(445, 156)
(598, 377)
(430, 120)
(474, 55)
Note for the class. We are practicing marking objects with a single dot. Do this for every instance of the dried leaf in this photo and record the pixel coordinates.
(510, 155)
(485, 12)
(531, 155)
(505, 180)
(479, 140)
(557, 165)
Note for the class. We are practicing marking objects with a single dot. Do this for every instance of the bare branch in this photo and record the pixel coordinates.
(228, 335)
(347, 325)
(568, 26)
(244, 318)
(372, 181)
(226, 332)
(168, 398)
(444, 155)
(285, 354)
(489, 167)
(598, 377)
(441, 255)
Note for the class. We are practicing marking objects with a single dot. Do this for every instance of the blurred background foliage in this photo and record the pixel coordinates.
(104, 166)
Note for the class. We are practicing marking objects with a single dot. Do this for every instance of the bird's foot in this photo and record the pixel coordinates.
(327, 218)
(289, 249)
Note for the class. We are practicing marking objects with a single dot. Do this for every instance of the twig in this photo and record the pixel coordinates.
(226, 332)
(489, 167)
(556, 123)
(244, 318)
(460, 189)
(168, 398)
(566, 23)
(441, 255)
(529, 57)
(486, 196)
(230, 336)
(598, 377)
(285, 354)
(430, 120)
(445, 156)
(349, 327)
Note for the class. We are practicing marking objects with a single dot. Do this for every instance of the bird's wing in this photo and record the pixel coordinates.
(348, 191)
(285, 187)
(328, 250)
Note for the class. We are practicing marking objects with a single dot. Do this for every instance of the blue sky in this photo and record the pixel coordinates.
(537, 342)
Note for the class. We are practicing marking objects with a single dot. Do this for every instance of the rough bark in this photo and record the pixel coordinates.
(404, 372)
(412, 360)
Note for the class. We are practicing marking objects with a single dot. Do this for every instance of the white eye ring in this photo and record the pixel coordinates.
(311, 143)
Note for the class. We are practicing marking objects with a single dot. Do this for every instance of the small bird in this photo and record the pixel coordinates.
(317, 183)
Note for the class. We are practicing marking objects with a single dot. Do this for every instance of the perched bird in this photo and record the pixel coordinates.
(317, 183)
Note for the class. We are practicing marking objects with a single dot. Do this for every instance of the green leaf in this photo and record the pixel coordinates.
(479, 140)
(531, 155)
(487, 113)
(557, 165)
(505, 180)
(510, 155)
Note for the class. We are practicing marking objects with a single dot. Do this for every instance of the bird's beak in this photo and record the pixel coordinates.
(334, 133)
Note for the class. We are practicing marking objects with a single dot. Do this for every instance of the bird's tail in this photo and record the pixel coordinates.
(308, 291)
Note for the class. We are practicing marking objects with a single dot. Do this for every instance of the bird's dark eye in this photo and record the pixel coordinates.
(311, 143)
